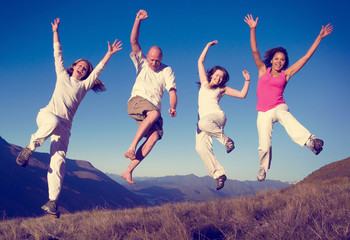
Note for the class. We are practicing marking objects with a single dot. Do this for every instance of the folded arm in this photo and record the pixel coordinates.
(239, 94)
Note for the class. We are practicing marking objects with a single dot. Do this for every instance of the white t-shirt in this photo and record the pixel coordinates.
(208, 100)
(69, 92)
(151, 84)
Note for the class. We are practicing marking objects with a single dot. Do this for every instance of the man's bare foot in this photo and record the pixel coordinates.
(130, 154)
(127, 176)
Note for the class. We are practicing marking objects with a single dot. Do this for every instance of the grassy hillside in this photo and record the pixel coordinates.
(317, 208)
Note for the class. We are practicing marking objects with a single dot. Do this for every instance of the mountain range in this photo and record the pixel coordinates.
(24, 190)
(159, 190)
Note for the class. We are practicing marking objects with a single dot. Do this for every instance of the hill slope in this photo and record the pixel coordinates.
(335, 170)
(308, 210)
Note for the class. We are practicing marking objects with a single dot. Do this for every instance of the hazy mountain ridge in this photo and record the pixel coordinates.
(193, 188)
(24, 190)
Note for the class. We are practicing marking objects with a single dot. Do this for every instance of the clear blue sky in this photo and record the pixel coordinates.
(318, 96)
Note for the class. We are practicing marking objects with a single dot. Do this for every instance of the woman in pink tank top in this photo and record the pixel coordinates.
(274, 75)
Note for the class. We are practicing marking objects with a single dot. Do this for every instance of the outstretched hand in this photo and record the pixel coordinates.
(115, 47)
(250, 21)
(141, 15)
(325, 31)
(55, 25)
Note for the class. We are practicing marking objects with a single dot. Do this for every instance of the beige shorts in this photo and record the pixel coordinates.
(138, 108)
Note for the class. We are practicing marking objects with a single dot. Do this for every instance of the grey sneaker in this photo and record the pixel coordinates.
(51, 208)
(314, 144)
(23, 157)
(261, 175)
(230, 145)
(220, 182)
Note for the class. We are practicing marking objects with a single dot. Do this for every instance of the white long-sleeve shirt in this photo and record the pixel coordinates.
(69, 92)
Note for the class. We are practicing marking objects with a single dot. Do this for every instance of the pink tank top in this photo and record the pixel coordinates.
(270, 91)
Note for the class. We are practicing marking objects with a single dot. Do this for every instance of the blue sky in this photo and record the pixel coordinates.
(318, 96)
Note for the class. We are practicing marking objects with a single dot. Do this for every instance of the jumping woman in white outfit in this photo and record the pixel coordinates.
(55, 120)
(274, 75)
(212, 119)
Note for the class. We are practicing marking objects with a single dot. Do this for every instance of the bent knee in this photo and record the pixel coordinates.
(154, 114)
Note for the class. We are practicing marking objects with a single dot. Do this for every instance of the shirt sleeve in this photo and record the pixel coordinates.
(90, 81)
(169, 79)
(139, 60)
(59, 65)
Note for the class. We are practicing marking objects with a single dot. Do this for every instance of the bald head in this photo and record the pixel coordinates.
(154, 57)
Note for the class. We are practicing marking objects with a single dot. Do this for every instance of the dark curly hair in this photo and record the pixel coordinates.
(98, 86)
(270, 53)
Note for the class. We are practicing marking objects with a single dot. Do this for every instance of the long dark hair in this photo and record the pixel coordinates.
(270, 53)
(212, 70)
(98, 86)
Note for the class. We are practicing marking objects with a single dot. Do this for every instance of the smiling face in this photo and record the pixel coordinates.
(278, 61)
(217, 78)
(80, 70)
(154, 58)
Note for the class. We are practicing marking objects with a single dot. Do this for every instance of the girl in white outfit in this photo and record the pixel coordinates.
(212, 119)
(55, 120)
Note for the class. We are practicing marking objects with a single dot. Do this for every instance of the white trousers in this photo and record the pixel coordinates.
(265, 121)
(211, 125)
(50, 125)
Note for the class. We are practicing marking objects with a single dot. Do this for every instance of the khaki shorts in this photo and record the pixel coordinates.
(138, 108)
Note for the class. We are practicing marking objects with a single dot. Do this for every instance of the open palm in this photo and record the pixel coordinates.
(115, 47)
(325, 31)
(250, 21)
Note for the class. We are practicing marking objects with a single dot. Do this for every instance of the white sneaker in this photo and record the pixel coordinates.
(261, 175)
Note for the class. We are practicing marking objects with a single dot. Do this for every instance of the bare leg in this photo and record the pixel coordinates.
(142, 152)
(151, 118)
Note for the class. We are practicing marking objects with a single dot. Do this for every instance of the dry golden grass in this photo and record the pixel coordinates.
(304, 211)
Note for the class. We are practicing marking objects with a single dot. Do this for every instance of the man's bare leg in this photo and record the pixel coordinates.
(142, 152)
(151, 118)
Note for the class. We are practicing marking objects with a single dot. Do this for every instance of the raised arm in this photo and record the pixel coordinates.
(134, 37)
(239, 94)
(325, 31)
(256, 55)
(55, 26)
(201, 69)
(115, 47)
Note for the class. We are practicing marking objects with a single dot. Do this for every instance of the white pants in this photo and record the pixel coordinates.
(265, 121)
(50, 125)
(211, 125)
